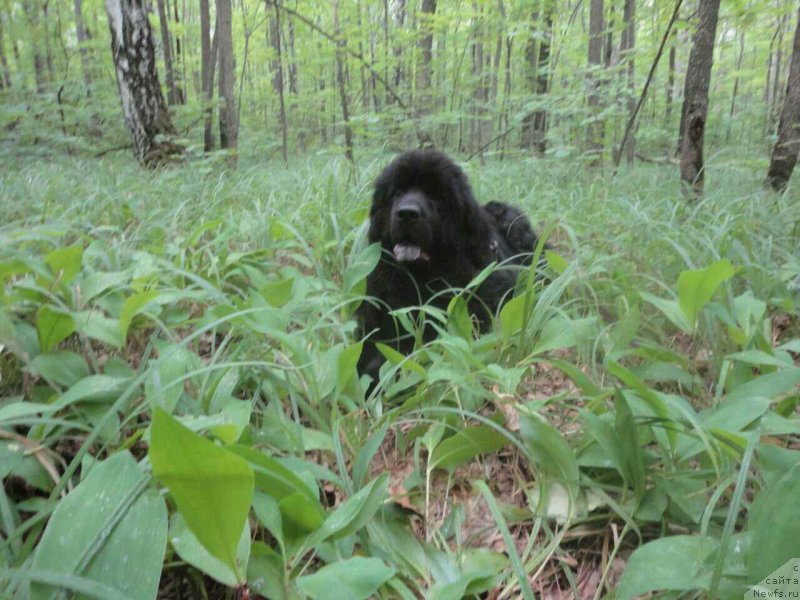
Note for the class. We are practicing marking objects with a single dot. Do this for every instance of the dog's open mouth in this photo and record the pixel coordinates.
(408, 252)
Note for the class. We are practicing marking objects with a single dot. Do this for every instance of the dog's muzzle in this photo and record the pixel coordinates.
(409, 223)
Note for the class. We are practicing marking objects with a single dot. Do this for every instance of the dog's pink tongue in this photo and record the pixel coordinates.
(405, 252)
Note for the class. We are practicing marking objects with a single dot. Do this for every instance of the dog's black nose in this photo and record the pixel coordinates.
(408, 213)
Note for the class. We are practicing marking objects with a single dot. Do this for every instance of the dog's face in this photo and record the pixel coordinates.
(413, 221)
(423, 210)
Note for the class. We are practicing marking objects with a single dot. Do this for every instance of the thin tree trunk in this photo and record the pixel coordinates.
(47, 48)
(735, 84)
(784, 155)
(340, 56)
(542, 87)
(228, 123)
(670, 80)
(398, 8)
(146, 113)
(208, 59)
(374, 80)
(80, 32)
(425, 46)
(386, 49)
(363, 71)
(39, 62)
(628, 44)
(594, 137)
(293, 89)
(776, 81)
(180, 59)
(695, 97)
(5, 83)
(278, 82)
(166, 47)
(506, 94)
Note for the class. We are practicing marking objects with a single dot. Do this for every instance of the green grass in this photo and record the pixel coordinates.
(226, 299)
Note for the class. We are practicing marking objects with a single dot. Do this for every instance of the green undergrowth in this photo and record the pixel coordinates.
(179, 408)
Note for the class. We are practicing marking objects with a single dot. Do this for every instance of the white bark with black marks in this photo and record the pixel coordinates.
(146, 113)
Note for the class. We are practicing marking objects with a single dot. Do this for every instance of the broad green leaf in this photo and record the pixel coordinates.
(770, 385)
(279, 482)
(236, 418)
(346, 365)
(409, 364)
(110, 529)
(65, 262)
(696, 288)
(278, 293)
(189, 548)
(93, 388)
(96, 283)
(133, 306)
(671, 309)
(265, 572)
(466, 445)
(732, 415)
(212, 486)
(94, 324)
(549, 451)
(776, 526)
(53, 327)
(670, 563)
(20, 410)
(163, 387)
(561, 332)
(268, 513)
(60, 366)
(361, 266)
(761, 358)
(459, 320)
(352, 514)
(351, 579)
(512, 315)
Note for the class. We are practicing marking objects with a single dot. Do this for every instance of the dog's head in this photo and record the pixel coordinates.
(423, 210)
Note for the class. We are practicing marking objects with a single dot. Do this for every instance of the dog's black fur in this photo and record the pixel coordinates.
(435, 237)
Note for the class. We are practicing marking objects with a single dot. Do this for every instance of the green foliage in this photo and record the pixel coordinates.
(201, 321)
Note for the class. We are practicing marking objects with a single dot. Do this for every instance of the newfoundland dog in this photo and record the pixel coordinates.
(436, 238)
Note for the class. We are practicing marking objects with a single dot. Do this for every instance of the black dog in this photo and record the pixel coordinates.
(435, 238)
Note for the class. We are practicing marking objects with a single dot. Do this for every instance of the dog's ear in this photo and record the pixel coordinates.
(379, 211)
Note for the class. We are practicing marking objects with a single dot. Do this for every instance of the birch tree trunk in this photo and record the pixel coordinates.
(228, 121)
(695, 97)
(143, 103)
(784, 155)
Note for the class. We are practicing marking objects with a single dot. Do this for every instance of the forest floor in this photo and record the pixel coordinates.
(618, 413)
